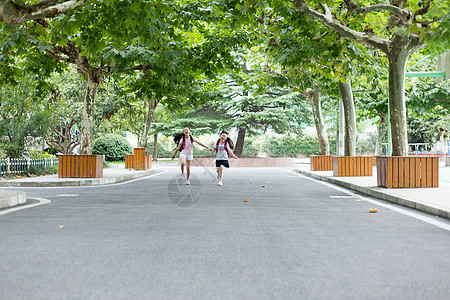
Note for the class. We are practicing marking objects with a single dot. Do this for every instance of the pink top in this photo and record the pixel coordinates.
(188, 147)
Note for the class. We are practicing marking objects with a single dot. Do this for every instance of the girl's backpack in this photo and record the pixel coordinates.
(228, 142)
(177, 137)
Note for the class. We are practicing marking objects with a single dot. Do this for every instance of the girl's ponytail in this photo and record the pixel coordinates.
(177, 137)
(230, 143)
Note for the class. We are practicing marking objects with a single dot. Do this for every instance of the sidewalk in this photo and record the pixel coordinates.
(435, 201)
(115, 174)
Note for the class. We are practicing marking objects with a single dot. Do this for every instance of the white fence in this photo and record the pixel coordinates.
(22, 165)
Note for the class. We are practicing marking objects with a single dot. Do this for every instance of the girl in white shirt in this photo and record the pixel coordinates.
(223, 148)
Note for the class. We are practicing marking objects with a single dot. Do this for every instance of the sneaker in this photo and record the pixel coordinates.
(181, 176)
(220, 183)
(187, 182)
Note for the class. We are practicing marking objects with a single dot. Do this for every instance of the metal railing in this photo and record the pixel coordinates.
(11, 166)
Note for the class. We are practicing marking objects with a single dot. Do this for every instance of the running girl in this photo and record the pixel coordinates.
(223, 148)
(186, 148)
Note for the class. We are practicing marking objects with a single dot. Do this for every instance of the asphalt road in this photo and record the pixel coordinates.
(157, 238)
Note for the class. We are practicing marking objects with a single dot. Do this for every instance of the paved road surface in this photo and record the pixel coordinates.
(157, 238)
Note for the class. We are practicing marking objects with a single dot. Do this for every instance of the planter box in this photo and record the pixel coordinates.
(352, 166)
(80, 166)
(321, 162)
(374, 161)
(140, 160)
(408, 172)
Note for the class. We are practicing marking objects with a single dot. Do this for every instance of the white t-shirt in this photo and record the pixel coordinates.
(221, 152)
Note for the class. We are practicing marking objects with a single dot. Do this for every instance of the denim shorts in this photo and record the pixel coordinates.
(188, 157)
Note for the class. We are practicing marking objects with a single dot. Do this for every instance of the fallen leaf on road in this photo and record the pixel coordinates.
(251, 181)
(246, 201)
(61, 226)
(263, 186)
(267, 181)
(373, 210)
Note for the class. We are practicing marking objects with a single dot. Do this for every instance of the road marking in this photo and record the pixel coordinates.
(41, 202)
(67, 195)
(428, 220)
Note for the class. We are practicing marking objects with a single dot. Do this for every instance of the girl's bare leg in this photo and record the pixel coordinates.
(188, 169)
(183, 162)
(221, 173)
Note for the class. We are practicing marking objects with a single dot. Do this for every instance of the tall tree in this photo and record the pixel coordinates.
(405, 30)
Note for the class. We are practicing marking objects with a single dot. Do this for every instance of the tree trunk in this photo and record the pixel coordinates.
(340, 139)
(314, 98)
(382, 133)
(13, 14)
(87, 118)
(240, 141)
(397, 68)
(151, 104)
(350, 118)
(155, 147)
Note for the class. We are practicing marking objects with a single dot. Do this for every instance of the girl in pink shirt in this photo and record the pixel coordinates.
(186, 148)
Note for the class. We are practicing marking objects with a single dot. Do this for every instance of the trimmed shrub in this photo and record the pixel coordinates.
(34, 154)
(292, 147)
(114, 147)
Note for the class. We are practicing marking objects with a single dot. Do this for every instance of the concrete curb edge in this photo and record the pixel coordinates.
(79, 182)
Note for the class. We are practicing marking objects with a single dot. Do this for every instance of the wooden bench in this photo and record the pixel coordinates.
(321, 162)
(408, 171)
(352, 166)
(80, 166)
(140, 160)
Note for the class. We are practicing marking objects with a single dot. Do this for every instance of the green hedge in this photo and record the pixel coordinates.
(293, 147)
(249, 149)
(114, 147)
(162, 152)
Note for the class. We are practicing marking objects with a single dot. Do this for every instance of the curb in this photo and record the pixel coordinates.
(12, 198)
(380, 194)
(79, 182)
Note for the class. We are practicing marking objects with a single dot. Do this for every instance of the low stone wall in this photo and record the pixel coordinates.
(261, 162)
